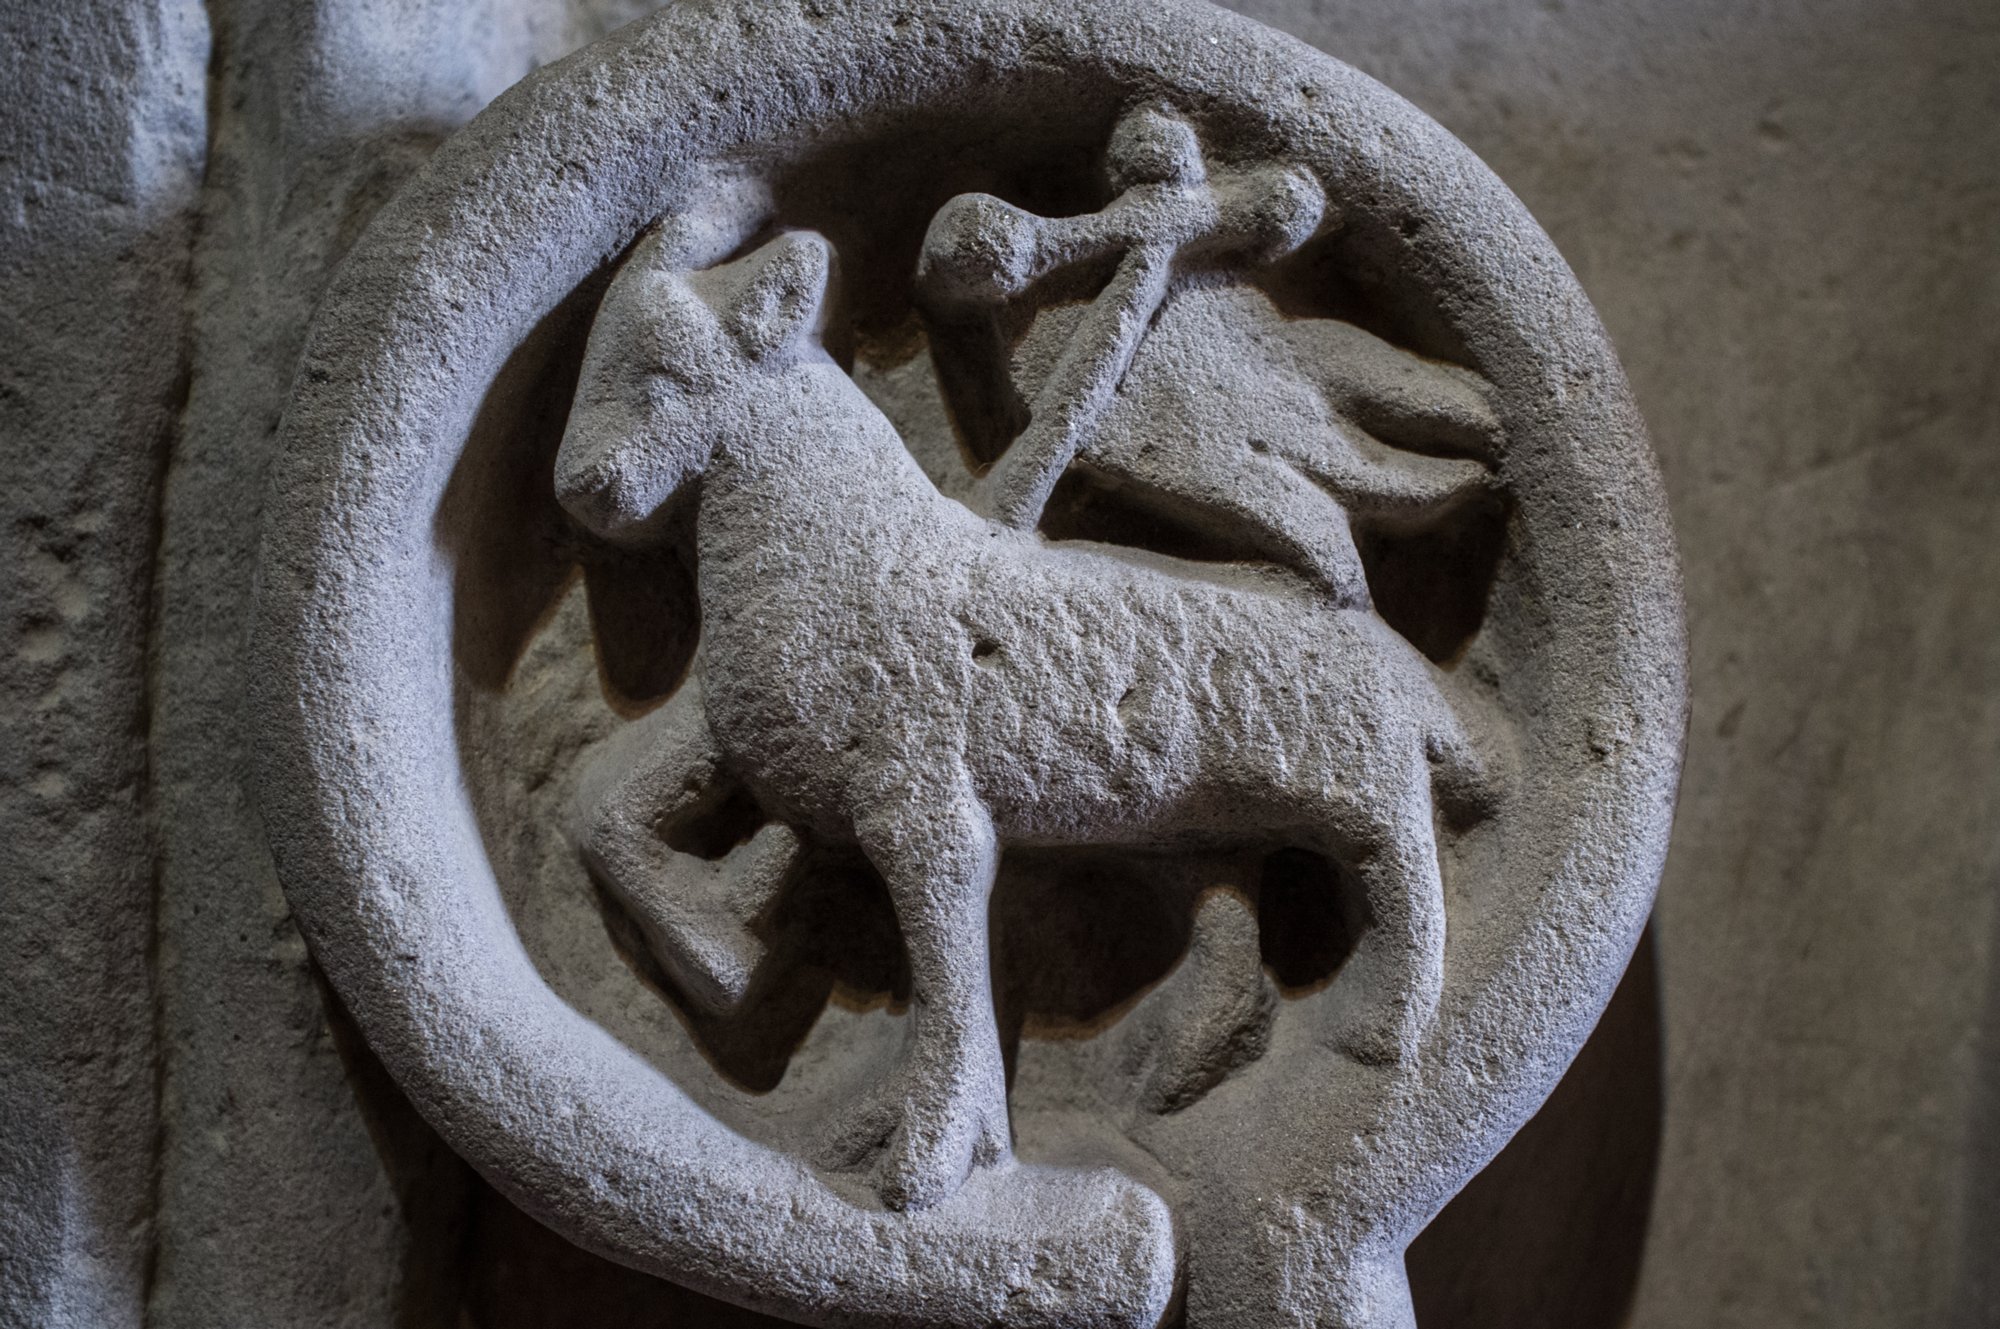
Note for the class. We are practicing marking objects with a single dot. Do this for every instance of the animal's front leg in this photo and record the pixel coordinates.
(945, 1111)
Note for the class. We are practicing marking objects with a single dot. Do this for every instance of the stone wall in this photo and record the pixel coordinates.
(1785, 215)
(103, 149)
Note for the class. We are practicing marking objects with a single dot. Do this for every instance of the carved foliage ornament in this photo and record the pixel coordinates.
(969, 663)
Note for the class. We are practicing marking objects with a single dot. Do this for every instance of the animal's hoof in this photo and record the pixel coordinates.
(926, 1162)
(1374, 1028)
(915, 1174)
(699, 916)
(713, 959)
(919, 1139)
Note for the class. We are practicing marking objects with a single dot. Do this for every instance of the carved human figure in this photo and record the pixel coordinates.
(883, 667)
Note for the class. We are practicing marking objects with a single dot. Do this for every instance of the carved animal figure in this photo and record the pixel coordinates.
(880, 666)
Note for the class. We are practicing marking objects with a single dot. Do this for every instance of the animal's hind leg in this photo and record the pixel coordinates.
(1388, 991)
(945, 1111)
(651, 784)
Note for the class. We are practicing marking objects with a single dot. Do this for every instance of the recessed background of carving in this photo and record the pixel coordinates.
(1128, 984)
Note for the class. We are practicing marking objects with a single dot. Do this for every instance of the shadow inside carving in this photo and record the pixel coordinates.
(1051, 167)
(1360, 273)
(511, 548)
(1309, 918)
(1084, 940)
(832, 936)
(975, 357)
(645, 617)
(1089, 504)
(1176, 960)
(725, 817)
(987, 412)
(1552, 1231)
(1431, 582)
(1078, 937)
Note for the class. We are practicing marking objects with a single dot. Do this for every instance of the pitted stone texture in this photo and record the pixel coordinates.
(318, 111)
(101, 149)
(431, 693)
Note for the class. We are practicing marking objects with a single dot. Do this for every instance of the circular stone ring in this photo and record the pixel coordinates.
(1290, 1198)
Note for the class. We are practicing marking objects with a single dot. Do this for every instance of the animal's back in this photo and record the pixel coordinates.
(1115, 697)
(863, 628)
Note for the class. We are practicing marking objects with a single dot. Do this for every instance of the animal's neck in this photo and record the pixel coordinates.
(809, 445)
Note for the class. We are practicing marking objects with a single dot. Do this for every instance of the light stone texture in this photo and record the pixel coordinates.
(320, 111)
(1784, 213)
(936, 683)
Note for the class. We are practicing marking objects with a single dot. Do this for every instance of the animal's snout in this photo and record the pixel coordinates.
(595, 485)
(584, 492)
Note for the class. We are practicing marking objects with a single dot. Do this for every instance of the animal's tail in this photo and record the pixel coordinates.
(677, 841)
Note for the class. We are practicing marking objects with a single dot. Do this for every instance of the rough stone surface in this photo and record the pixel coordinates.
(915, 687)
(1784, 213)
(319, 111)
(101, 143)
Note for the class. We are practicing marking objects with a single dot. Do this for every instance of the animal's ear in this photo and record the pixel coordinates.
(779, 293)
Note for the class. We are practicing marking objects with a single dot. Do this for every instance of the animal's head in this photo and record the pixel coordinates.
(674, 368)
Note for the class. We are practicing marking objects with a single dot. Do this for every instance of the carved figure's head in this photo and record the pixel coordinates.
(660, 372)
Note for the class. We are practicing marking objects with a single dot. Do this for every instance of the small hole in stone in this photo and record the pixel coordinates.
(715, 826)
(985, 649)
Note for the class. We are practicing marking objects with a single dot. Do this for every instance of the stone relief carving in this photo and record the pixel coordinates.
(963, 663)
